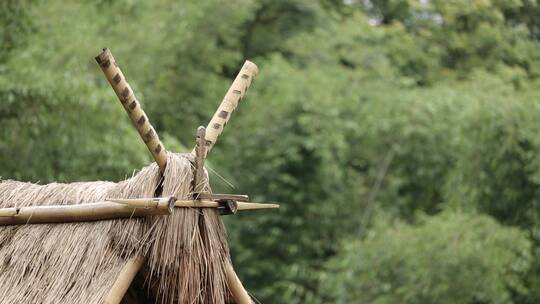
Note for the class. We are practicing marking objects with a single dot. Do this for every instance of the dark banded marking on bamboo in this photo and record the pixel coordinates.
(149, 135)
(125, 93)
(245, 76)
(133, 105)
(117, 78)
(105, 64)
(237, 92)
(158, 149)
(208, 142)
(216, 126)
(223, 114)
(141, 120)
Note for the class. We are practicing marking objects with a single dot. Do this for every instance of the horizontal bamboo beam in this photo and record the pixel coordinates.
(77, 213)
(111, 209)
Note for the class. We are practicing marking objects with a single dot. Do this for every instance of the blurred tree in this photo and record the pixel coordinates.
(15, 25)
(450, 258)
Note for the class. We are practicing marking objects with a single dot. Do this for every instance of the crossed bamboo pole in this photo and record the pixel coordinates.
(141, 122)
(133, 107)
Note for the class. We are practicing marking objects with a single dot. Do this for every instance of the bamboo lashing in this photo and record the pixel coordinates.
(79, 213)
(132, 106)
(122, 283)
(229, 103)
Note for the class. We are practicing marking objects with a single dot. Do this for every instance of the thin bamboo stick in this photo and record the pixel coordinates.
(216, 196)
(238, 291)
(255, 206)
(200, 155)
(235, 93)
(77, 213)
(132, 106)
(128, 273)
(213, 204)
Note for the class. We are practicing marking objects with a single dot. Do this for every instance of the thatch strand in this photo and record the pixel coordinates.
(79, 262)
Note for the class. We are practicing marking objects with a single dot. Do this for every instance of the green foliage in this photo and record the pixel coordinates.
(15, 26)
(450, 258)
(497, 171)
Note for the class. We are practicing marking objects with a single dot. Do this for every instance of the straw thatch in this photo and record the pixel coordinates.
(79, 262)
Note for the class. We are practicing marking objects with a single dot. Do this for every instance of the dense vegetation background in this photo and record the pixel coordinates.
(402, 137)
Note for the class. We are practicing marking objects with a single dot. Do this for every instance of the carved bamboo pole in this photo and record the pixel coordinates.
(150, 137)
(229, 103)
(132, 106)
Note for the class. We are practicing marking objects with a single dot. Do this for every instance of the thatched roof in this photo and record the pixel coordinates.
(79, 262)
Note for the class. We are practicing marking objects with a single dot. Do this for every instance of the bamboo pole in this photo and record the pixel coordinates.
(122, 283)
(229, 103)
(238, 291)
(77, 213)
(132, 106)
(150, 137)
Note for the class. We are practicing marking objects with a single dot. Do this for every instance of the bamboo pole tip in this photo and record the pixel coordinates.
(201, 130)
(103, 56)
(252, 67)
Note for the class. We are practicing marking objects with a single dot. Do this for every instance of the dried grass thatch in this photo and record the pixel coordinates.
(79, 262)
